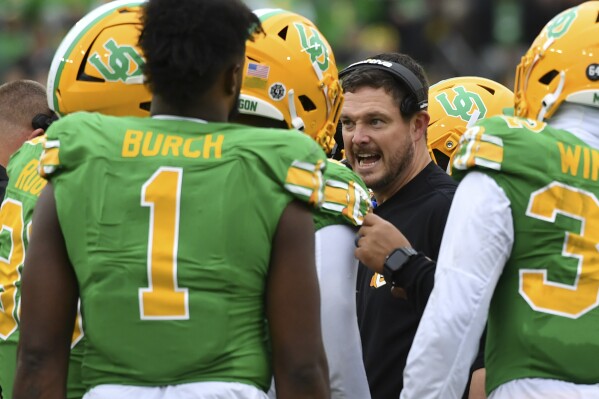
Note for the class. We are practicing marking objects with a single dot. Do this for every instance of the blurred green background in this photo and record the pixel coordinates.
(448, 37)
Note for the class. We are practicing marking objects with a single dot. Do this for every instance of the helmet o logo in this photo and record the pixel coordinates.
(463, 105)
(124, 62)
(314, 46)
(559, 25)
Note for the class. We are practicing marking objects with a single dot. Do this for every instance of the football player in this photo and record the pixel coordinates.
(181, 233)
(454, 105)
(23, 115)
(521, 244)
(97, 67)
(290, 81)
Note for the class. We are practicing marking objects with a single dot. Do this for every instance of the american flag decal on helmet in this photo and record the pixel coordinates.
(257, 70)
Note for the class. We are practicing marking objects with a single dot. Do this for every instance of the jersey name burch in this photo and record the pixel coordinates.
(137, 143)
(575, 157)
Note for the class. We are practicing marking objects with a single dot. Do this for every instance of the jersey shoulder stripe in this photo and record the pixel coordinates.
(484, 146)
(345, 193)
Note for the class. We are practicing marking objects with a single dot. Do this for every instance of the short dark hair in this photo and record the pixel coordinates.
(377, 78)
(187, 43)
(21, 100)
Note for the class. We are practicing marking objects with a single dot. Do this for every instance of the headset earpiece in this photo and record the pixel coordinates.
(409, 105)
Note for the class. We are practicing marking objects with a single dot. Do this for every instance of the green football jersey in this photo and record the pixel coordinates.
(22, 192)
(346, 198)
(544, 315)
(169, 225)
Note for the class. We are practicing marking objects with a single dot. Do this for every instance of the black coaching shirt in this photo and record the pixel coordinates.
(388, 322)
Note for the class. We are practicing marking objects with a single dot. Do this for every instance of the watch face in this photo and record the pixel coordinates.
(397, 259)
(395, 262)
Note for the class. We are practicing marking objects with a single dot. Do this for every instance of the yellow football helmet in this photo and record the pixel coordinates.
(562, 64)
(290, 75)
(456, 104)
(98, 65)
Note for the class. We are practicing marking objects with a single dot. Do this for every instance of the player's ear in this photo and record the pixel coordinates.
(233, 78)
(35, 133)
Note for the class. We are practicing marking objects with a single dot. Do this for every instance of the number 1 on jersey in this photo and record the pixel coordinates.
(163, 299)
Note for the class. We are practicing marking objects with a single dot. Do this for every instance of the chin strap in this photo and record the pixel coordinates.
(551, 98)
(296, 121)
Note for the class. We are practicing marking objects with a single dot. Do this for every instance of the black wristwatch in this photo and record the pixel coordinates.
(395, 261)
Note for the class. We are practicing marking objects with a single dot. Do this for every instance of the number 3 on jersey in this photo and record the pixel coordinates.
(566, 300)
(163, 299)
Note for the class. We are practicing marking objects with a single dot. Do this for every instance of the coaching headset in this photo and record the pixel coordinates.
(416, 99)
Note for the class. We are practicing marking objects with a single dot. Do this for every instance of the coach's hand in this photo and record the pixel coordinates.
(375, 240)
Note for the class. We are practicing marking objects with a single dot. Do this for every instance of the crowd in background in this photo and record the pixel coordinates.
(448, 37)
